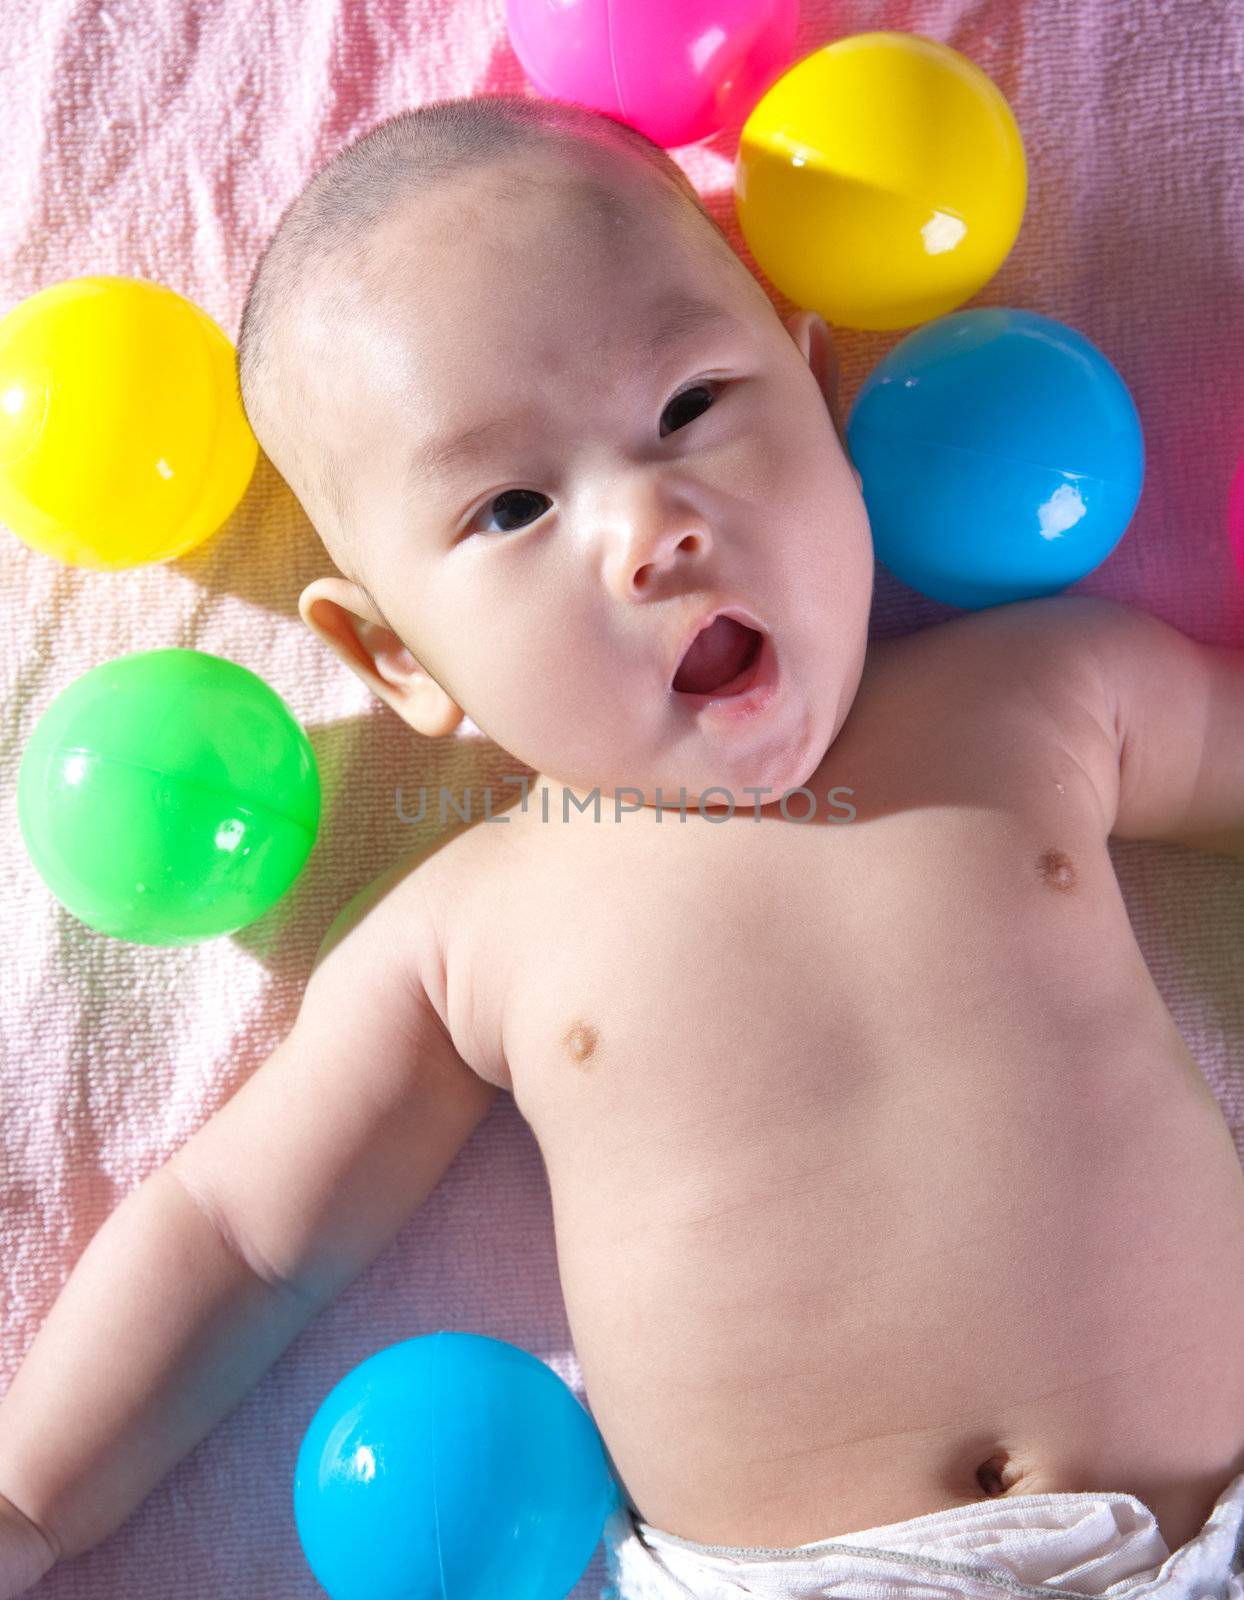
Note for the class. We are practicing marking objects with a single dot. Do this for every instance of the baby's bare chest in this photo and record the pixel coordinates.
(887, 919)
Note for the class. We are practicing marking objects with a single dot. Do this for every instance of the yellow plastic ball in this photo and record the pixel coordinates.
(881, 181)
(122, 435)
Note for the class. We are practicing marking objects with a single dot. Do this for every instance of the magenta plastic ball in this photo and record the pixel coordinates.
(1235, 515)
(678, 72)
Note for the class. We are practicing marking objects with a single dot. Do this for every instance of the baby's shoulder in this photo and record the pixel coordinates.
(999, 644)
(989, 678)
(415, 885)
(1044, 646)
(393, 936)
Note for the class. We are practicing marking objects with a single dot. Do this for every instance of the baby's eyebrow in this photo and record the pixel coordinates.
(678, 319)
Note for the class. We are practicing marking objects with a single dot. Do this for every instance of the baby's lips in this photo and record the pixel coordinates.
(735, 613)
(719, 656)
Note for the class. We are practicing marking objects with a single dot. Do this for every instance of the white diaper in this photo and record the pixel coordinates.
(1038, 1545)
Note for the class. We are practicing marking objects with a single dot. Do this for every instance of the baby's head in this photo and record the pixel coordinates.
(541, 413)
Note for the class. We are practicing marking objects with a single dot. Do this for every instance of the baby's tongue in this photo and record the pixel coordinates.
(716, 656)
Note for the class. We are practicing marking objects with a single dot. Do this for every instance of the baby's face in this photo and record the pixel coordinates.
(619, 484)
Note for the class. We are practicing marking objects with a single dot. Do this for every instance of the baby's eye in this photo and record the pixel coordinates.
(514, 516)
(689, 401)
(677, 404)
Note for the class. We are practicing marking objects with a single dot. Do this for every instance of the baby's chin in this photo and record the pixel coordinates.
(761, 756)
(742, 751)
(708, 780)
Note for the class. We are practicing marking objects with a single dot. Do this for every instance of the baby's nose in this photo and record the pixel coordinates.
(657, 545)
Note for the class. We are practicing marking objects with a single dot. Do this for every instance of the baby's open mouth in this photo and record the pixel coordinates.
(721, 660)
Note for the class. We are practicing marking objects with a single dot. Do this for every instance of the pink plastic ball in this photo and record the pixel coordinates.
(1235, 515)
(678, 70)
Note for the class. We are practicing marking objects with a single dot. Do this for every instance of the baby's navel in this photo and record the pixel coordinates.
(999, 1474)
(1057, 869)
(580, 1041)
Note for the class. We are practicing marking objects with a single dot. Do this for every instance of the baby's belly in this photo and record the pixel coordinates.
(977, 1277)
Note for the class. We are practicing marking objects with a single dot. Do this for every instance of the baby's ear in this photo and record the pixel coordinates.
(811, 334)
(340, 614)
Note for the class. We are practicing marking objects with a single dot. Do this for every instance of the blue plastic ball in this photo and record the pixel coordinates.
(451, 1467)
(1001, 457)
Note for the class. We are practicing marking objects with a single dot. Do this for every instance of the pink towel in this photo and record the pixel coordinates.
(163, 141)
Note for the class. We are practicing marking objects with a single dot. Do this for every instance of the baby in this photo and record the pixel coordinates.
(901, 1238)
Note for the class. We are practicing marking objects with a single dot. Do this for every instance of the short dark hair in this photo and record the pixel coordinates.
(329, 223)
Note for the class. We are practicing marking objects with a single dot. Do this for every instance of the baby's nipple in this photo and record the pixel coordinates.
(1057, 869)
(580, 1041)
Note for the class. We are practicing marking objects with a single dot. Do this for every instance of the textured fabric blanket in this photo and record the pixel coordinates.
(162, 140)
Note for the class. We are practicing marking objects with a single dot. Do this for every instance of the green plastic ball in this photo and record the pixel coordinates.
(168, 797)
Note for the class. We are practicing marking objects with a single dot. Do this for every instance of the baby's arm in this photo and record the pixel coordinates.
(1166, 717)
(1155, 718)
(207, 1270)
(1176, 708)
